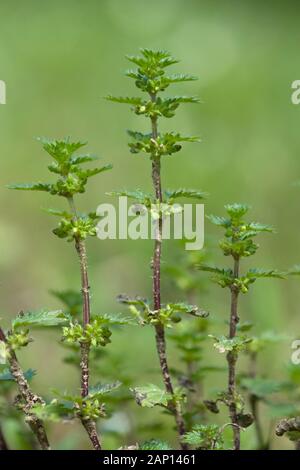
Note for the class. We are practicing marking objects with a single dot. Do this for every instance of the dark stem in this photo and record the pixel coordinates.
(232, 360)
(28, 397)
(156, 288)
(89, 425)
(3, 443)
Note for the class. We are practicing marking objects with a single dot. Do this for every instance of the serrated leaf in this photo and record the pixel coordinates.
(261, 273)
(186, 193)
(221, 221)
(155, 444)
(150, 395)
(70, 298)
(236, 210)
(224, 344)
(54, 411)
(96, 171)
(31, 186)
(115, 319)
(78, 159)
(180, 77)
(125, 100)
(40, 319)
(262, 387)
(102, 389)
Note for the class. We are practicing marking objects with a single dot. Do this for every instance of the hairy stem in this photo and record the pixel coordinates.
(232, 360)
(28, 398)
(156, 288)
(89, 425)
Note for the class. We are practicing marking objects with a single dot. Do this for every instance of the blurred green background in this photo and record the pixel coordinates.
(58, 60)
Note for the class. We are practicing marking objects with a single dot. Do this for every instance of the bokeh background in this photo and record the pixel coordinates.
(58, 60)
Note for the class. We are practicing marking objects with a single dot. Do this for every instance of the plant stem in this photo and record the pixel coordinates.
(232, 360)
(28, 397)
(156, 288)
(3, 443)
(89, 425)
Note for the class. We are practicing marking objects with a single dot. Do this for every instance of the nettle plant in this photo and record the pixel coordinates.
(238, 243)
(86, 335)
(151, 78)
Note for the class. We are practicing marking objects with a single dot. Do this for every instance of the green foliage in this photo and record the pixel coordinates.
(71, 406)
(150, 395)
(165, 144)
(78, 228)
(40, 319)
(236, 344)
(262, 387)
(72, 178)
(93, 333)
(239, 234)
(18, 339)
(155, 444)
(71, 299)
(151, 78)
(205, 437)
(167, 315)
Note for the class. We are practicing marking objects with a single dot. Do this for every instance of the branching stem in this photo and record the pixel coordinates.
(89, 425)
(29, 399)
(156, 288)
(232, 360)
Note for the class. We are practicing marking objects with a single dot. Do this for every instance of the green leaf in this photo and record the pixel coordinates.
(78, 159)
(40, 319)
(126, 100)
(236, 210)
(205, 437)
(70, 298)
(115, 319)
(60, 150)
(155, 444)
(186, 193)
(180, 77)
(261, 273)
(221, 221)
(96, 171)
(181, 307)
(99, 390)
(224, 344)
(150, 395)
(54, 411)
(31, 187)
(262, 387)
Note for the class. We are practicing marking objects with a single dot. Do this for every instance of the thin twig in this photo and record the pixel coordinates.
(156, 267)
(29, 398)
(89, 425)
(232, 359)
